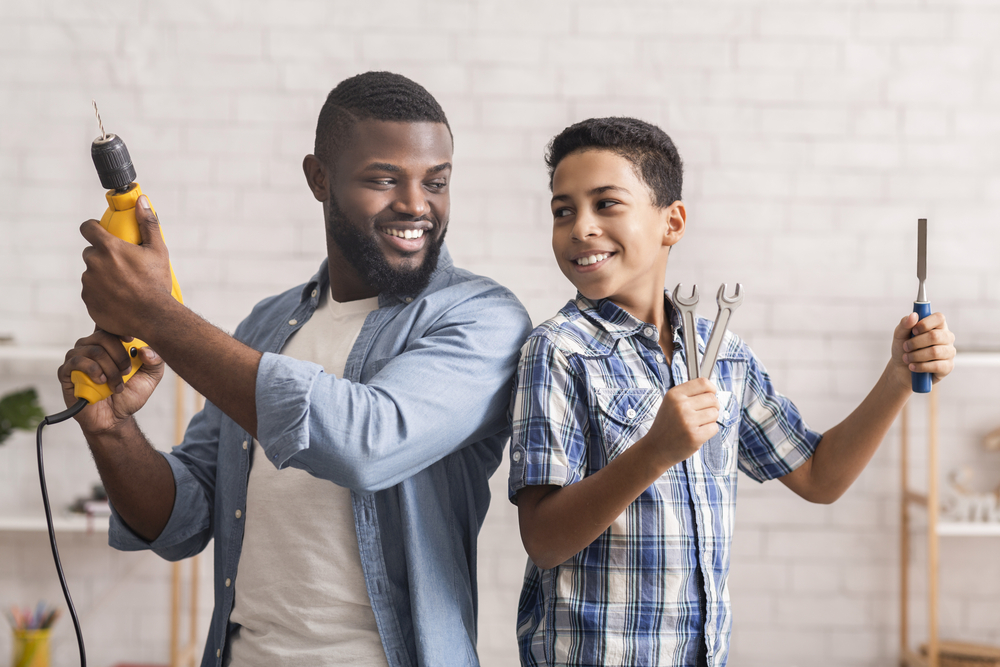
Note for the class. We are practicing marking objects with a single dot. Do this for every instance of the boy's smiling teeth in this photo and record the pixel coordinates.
(405, 233)
(593, 259)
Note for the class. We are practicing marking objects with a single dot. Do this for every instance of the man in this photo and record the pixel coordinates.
(345, 479)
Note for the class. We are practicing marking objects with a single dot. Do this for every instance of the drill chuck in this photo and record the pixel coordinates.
(114, 165)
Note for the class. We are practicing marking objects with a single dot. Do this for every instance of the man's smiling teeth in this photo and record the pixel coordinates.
(405, 233)
(593, 259)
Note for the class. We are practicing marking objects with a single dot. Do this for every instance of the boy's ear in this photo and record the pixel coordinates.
(674, 223)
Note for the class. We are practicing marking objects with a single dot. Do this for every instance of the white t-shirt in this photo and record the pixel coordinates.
(300, 594)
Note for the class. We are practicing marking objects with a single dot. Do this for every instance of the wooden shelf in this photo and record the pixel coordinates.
(36, 353)
(65, 523)
(981, 359)
(968, 529)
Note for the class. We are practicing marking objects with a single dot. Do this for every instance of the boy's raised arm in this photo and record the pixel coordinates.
(847, 448)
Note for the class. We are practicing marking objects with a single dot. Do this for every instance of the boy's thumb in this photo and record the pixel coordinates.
(149, 225)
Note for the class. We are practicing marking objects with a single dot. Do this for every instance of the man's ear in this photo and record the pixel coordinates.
(317, 177)
(674, 223)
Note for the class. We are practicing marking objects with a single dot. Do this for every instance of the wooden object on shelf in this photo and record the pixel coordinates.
(933, 652)
(964, 654)
(186, 655)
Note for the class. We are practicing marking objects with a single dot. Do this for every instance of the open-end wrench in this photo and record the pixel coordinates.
(726, 307)
(687, 306)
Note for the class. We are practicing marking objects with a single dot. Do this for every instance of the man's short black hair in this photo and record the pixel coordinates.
(651, 152)
(371, 96)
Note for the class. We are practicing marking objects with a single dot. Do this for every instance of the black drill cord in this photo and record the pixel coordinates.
(55, 419)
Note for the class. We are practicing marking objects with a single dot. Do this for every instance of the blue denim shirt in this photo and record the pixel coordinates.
(415, 428)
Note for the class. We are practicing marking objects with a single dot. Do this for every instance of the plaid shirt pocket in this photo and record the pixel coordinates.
(624, 415)
(719, 453)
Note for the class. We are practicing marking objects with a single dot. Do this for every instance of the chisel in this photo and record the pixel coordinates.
(921, 382)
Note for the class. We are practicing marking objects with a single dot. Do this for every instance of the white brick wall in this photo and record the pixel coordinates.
(814, 133)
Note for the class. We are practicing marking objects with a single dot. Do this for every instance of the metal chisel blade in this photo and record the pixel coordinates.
(922, 249)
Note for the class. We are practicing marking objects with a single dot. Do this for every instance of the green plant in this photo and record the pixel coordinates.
(19, 410)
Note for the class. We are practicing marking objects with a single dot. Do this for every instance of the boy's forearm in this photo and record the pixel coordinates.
(847, 448)
(559, 522)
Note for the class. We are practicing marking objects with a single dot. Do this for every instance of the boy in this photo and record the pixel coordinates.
(623, 469)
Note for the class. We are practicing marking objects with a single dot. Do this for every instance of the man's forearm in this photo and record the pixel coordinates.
(217, 365)
(847, 448)
(137, 478)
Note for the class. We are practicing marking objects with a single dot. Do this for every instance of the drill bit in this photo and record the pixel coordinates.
(104, 136)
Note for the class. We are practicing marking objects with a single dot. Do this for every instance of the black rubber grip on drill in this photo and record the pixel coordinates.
(114, 164)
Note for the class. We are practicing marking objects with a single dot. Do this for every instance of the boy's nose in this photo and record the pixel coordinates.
(585, 227)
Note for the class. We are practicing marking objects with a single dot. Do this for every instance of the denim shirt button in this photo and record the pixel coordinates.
(228, 582)
(244, 444)
(408, 299)
(293, 322)
(516, 457)
(314, 293)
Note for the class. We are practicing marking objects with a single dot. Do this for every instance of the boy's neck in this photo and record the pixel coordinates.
(652, 311)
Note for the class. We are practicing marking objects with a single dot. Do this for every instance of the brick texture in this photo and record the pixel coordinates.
(814, 133)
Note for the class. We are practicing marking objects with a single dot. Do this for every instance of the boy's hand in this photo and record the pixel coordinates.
(685, 421)
(930, 350)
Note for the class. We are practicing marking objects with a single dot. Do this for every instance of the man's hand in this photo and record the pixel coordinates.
(103, 357)
(123, 283)
(685, 421)
(930, 350)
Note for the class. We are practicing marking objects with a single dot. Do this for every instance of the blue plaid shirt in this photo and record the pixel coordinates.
(653, 586)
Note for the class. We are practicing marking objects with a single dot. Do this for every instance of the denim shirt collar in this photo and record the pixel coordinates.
(321, 281)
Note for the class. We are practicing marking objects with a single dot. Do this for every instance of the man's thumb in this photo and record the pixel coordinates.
(149, 226)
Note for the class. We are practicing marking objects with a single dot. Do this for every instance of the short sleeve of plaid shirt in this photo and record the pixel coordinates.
(548, 411)
(774, 440)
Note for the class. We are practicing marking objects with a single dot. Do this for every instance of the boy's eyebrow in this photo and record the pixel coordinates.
(596, 191)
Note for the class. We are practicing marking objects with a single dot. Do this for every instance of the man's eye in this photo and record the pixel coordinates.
(437, 185)
(386, 182)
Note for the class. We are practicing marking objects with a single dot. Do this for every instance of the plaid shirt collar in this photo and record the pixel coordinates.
(615, 323)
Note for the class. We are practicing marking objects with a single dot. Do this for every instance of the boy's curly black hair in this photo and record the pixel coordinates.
(647, 147)
(371, 96)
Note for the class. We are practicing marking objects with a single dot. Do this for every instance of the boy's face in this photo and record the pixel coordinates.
(608, 237)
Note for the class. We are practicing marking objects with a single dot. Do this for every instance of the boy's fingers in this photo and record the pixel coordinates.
(932, 321)
(696, 386)
(932, 338)
(905, 326)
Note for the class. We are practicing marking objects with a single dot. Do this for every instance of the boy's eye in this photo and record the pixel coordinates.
(561, 212)
(606, 203)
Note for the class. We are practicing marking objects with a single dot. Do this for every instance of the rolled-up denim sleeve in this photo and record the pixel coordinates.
(193, 465)
(447, 389)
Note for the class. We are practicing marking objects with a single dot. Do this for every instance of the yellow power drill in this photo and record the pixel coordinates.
(114, 167)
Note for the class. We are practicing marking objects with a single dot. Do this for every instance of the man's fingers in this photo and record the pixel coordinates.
(149, 225)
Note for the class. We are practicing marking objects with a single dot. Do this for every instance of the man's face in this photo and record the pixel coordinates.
(608, 237)
(387, 206)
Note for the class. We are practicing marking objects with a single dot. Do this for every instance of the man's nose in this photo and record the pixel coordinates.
(411, 200)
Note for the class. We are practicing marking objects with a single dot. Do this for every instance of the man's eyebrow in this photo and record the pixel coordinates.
(383, 166)
(596, 191)
(439, 168)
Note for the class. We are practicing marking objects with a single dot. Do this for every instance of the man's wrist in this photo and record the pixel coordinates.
(113, 436)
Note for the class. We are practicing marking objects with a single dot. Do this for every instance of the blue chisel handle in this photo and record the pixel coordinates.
(921, 382)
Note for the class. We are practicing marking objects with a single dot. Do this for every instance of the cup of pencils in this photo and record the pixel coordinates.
(31, 634)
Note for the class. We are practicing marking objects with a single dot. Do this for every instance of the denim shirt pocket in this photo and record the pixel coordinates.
(719, 453)
(625, 415)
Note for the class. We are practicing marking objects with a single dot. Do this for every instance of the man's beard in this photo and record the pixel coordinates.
(366, 255)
